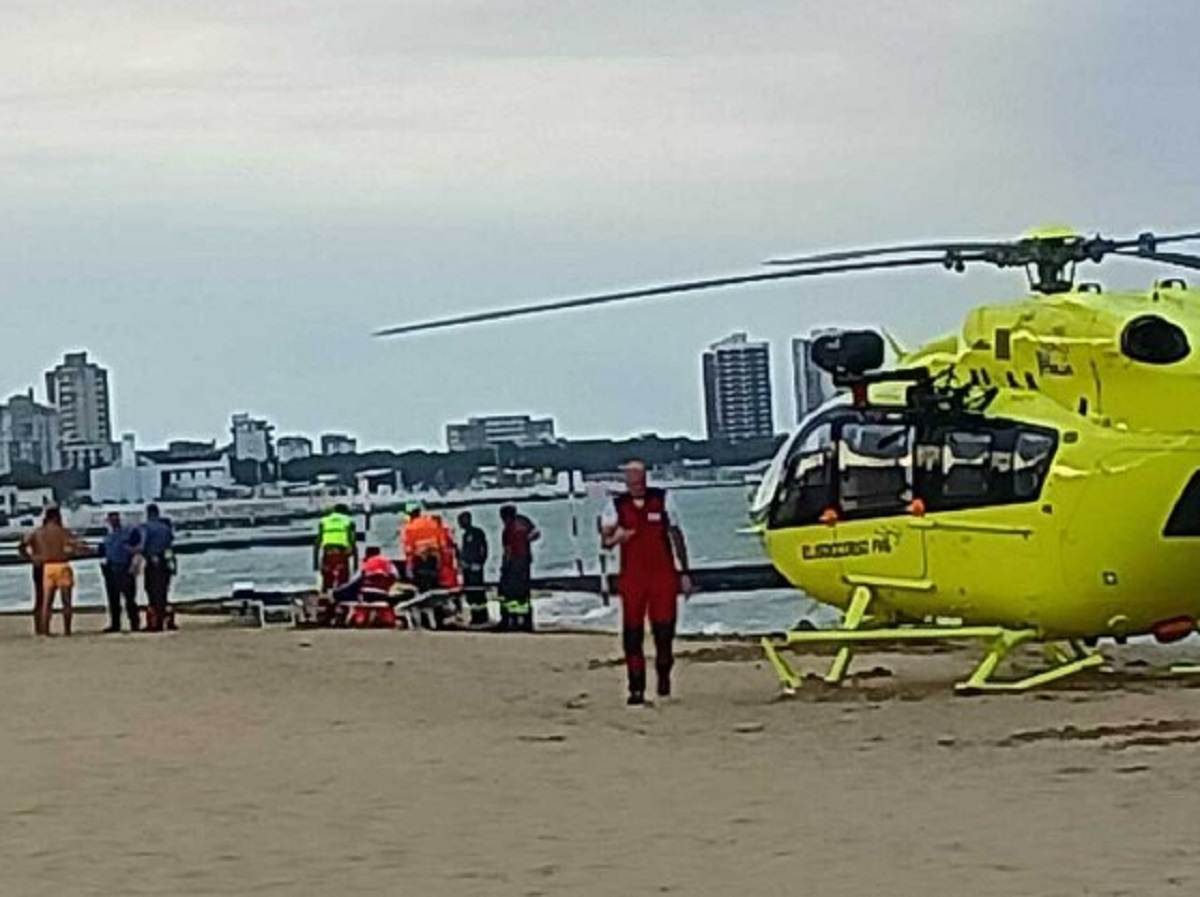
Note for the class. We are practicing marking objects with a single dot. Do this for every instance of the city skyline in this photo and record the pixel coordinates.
(318, 440)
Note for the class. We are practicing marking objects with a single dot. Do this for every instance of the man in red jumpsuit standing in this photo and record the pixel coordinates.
(642, 522)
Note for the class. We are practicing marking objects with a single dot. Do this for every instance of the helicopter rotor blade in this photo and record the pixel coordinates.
(1149, 241)
(951, 249)
(650, 292)
(1178, 259)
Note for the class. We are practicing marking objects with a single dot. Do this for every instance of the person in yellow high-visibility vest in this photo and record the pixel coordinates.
(335, 553)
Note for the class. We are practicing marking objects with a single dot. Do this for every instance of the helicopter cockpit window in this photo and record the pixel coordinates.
(805, 486)
(874, 468)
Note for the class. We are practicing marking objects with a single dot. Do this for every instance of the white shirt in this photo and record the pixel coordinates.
(608, 517)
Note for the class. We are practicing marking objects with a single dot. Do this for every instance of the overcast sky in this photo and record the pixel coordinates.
(221, 200)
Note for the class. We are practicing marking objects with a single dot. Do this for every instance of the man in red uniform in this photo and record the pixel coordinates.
(365, 601)
(516, 570)
(378, 576)
(642, 522)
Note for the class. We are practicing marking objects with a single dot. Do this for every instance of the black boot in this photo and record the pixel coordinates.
(637, 689)
(664, 656)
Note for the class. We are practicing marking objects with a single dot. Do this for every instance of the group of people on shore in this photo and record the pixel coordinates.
(641, 524)
(450, 572)
(126, 553)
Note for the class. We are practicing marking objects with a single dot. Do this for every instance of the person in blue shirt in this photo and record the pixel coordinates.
(157, 539)
(120, 543)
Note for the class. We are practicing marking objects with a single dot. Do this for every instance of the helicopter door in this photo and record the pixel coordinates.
(875, 490)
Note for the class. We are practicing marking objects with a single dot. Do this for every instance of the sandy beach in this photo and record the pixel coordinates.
(228, 761)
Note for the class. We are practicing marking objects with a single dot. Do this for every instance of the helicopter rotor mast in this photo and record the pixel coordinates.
(1049, 257)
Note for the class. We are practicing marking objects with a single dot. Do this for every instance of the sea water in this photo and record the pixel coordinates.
(713, 519)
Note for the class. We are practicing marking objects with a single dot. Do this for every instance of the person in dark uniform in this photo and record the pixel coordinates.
(157, 539)
(25, 549)
(116, 566)
(472, 556)
(516, 565)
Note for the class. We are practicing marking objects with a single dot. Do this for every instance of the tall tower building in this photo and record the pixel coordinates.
(737, 389)
(78, 388)
(29, 434)
(811, 386)
(251, 439)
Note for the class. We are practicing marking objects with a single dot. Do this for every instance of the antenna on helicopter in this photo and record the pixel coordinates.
(1049, 257)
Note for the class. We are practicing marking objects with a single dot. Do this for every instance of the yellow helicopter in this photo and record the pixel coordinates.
(1034, 479)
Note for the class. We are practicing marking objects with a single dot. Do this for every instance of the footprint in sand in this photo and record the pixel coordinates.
(543, 738)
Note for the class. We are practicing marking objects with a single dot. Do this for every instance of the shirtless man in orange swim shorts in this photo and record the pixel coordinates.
(53, 546)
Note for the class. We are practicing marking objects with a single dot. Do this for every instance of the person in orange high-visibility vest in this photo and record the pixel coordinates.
(421, 542)
(447, 557)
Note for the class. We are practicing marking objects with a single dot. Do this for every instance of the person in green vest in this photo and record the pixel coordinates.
(335, 553)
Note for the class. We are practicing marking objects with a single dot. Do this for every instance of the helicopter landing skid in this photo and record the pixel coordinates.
(1067, 658)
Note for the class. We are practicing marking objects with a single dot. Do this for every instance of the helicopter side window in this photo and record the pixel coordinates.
(874, 468)
(986, 465)
(966, 465)
(1185, 516)
(806, 485)
(1031, 461)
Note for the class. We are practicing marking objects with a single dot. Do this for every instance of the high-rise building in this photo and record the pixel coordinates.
(30, 434)
(811, 386)
(480, 433)
(78, 389)
(338, 444)
(737, 389)
(294, 448)
(251, 439)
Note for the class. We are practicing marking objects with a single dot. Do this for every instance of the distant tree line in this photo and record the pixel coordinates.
(455, 469)
(450, 470)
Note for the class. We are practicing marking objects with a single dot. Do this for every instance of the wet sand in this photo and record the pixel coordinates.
(227, 761)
